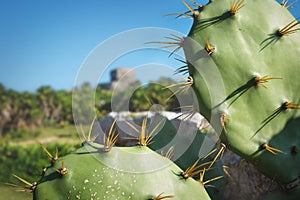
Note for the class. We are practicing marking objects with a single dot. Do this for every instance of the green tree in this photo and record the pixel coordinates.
(50, 103)
(83, 104)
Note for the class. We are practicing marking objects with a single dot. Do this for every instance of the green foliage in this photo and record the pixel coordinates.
(83, 103)
(154, 93)
(48, 107)
(26, 161)
(27, 111)
(103, 101)
(20, 134)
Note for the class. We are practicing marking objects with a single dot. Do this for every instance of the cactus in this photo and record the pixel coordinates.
(183, 147)
(293, 194)
(92, 172)
(243, 61)
(103, 171)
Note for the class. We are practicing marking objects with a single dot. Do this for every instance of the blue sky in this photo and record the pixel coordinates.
(44, 42)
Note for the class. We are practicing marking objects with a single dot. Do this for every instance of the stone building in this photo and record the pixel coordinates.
(120, 78)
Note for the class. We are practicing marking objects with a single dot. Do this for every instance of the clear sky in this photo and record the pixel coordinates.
(44, 42)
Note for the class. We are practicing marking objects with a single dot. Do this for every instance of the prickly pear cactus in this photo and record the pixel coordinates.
(243, 60)
(95, 172)
(184, 148)
(293, 194)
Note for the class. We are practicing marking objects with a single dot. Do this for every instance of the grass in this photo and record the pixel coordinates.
(61, 135)
(67, 131)
(26, 158)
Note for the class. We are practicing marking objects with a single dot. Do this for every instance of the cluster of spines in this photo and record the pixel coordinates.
(111, 138)
(235, 6)
(290, 28)
(200, 169)
(87, 137)
(144, 138)
(270, 149)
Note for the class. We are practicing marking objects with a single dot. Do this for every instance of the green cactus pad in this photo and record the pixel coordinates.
(294, 194)
(190, 144)
(122, 173)
(245, 70)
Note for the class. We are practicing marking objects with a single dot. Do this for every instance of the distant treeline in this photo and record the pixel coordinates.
(49, 107)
